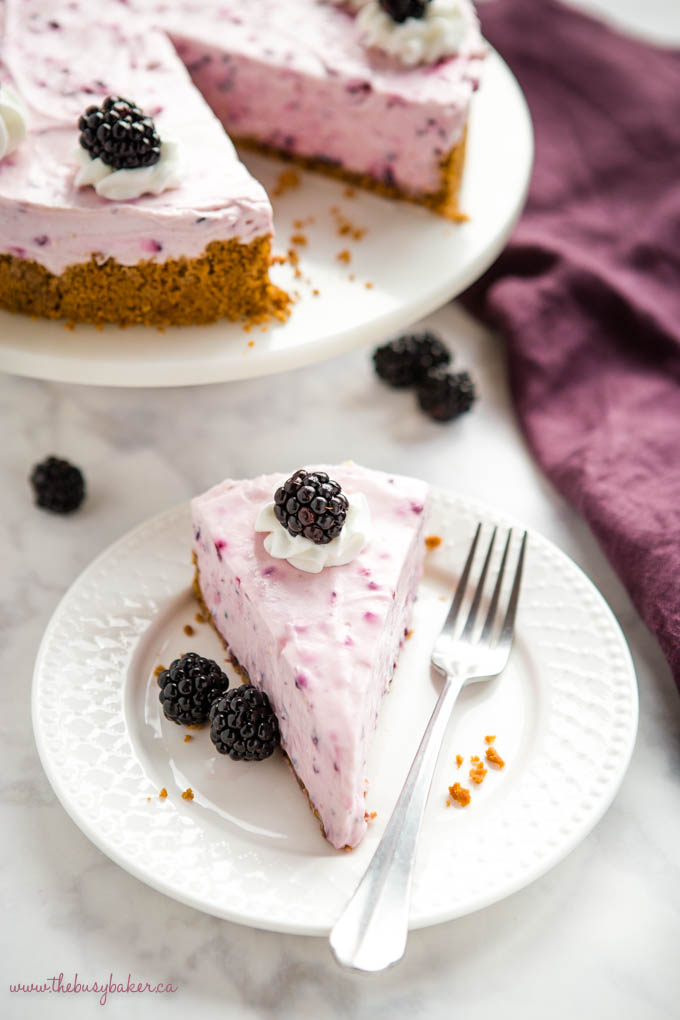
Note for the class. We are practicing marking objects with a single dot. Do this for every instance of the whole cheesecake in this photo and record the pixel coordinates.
(344, 88)
(321, 640)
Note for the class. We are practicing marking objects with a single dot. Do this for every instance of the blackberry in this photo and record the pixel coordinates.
(312, 505)
(188, 688)
(444, 395)
(120, 134)
(243, 724)
(57, 485)
(406, 360)
(400, 10)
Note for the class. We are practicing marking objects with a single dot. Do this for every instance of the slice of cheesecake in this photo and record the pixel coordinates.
(322, 645)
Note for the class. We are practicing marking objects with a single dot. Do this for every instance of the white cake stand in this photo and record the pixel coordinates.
(408, 263)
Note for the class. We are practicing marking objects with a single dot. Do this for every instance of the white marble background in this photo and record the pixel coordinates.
(596, 937)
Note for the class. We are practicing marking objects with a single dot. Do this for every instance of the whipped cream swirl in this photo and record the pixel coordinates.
(439, 33)
(13, 120)
(119, 185)
(303, 554)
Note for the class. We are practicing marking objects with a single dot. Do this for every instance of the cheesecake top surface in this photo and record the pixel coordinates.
(339, 600)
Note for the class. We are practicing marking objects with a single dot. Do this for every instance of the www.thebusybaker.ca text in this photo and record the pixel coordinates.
(103, 989)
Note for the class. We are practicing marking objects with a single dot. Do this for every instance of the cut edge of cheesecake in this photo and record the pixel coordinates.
(444, 202)
(245, 679)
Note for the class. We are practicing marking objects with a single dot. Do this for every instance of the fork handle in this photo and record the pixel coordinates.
(371, 932)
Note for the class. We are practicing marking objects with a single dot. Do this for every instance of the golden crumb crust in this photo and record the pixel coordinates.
(229, 280)
(444, 201)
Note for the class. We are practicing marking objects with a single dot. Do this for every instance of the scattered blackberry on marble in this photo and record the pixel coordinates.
(446, 395)
(406, 360)
(311, 504)
(400, 10)
(120, 134)
(189, 686)
(243, 724)
(58, 486)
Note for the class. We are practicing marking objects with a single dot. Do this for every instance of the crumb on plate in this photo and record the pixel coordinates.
(459, 795)
(494, 758)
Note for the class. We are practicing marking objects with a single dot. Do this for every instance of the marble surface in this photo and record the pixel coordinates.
(597, 936)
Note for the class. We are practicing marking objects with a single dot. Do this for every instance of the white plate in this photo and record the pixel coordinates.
(415, 261)
(247, 847)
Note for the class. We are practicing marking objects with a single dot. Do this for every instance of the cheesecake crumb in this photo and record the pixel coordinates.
(350, 192)
(478, 772)
(351, 277)
(494, 758)
(368, 285)
(188, 794)
(251, 343)
(316, 292)
(345, 227)
(370, 815)
(158, 670)
(163, 794)
(432, 541)
(287, 180)
(344, 256)
(294, 260)
(188, 738)
(489, 739)
(459, 795)
(148, 798)
(199, 618)
(299, 239)
(189, 630)
(408, 635)
(459, 760)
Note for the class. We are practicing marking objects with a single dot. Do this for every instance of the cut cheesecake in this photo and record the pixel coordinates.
(323, 646)
(291, 77)
(194, 253)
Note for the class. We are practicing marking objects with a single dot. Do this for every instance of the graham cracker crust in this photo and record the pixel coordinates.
(229, 280)
(243, 673)
(444, 201)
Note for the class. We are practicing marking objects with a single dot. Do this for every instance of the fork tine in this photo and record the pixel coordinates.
(462, 584)
(491, 615)
(472, 615)
(508, 627)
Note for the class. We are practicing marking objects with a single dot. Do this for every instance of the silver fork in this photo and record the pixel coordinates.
(371, 932)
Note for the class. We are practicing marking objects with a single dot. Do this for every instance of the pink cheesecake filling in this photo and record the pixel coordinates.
(323, 646)
(61, 59)
(294, 75)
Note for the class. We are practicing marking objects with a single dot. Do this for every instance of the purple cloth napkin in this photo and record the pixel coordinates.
(587, 293)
